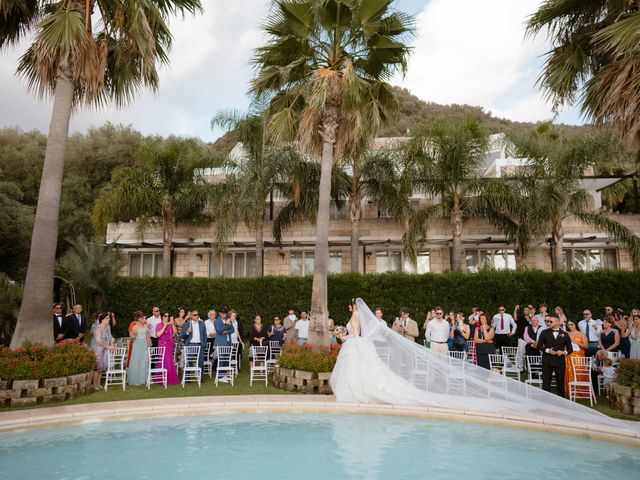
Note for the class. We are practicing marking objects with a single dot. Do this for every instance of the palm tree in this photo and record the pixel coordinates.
(89, 51)
(165, 187)
(324, 71)
(448, 158)
(594, 58)
(92, 267)
(557, 163)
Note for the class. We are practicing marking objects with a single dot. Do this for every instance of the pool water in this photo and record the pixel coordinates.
(308, 447)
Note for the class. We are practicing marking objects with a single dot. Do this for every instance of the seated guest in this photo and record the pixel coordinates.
(102, 343)
(257, 335)
(139, 347)
(59, 323)
(165, 331)
(483, 338)
(276, 331)
(610, 337)
(302, 327)
(596, 367)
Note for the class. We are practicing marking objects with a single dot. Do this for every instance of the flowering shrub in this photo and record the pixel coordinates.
(628, 373)
(34, 361)
(305, 357)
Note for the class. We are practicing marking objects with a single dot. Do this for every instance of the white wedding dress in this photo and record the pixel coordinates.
(380, 366)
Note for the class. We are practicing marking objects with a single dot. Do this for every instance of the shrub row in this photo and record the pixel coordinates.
(628, 373)
(35, 361)
(573, 291)
(305, 357)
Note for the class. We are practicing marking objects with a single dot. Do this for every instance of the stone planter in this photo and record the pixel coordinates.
(625, 399)
(20, 393)
(301, 381)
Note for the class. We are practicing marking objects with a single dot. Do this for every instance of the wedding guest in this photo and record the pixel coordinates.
(563, 318)
(179, 320)
(290, 325)
(152, 323)
(406, 326)
(139, 346)
(505, 327)
(608, 374)
(276, 331)
(224, 330)
(474, 317)
(634, 335)
(102, 345)
(622, 326)
(460, 333)
(59, 323)
(579, 345)
(378, 313)
(236, 336)
(522, 322)
(542, 309)
(210, 327)
(531, 337)
(610, 337)
(591, 329)
(76, 324)
(555, 345)
(257, 336)
(438, 333)
(596, 367)
(165, 331)
(483, 338)
(331, 326)
(194, 333)
(302, 327)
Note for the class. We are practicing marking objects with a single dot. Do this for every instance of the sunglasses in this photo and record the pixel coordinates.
(165, 315)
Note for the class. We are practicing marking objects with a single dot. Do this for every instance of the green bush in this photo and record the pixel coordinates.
(628, 373)
(573, 291)
(305, 357)
(35, 361)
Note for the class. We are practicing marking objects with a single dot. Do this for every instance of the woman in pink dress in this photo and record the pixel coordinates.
(165, 332)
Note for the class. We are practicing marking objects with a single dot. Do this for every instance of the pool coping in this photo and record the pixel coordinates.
(168, 407)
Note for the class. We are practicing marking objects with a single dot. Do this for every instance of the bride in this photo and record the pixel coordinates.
(377, 365)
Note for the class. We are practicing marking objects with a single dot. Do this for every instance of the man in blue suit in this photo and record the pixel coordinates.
(224, 329)
(194, 333)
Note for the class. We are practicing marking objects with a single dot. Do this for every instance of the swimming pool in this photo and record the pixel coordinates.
(310, 446)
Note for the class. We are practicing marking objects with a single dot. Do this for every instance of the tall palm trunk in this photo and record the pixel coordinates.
(319, 333)
(167, 242)
(557, 247)
(456, 223)
(260, 248)
(520, 260)
(355, 213)
(34, 320)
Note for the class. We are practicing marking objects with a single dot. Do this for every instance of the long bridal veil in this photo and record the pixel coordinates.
(434, 379)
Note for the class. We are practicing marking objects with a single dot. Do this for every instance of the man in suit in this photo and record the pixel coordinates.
(194, 333)
(59, 323)
(224, 330)
(406, 326)
(555, 345)
(76, 324)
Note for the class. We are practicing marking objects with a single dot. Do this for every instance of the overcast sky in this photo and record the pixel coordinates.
(465, 51)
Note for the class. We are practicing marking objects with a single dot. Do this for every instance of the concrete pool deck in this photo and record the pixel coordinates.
(49, 417)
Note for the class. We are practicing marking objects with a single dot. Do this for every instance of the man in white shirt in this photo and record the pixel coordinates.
(378, 313)
(505, 327)
(302, 327)
(474, 318)
(438, 333)
(591, 329)
(209, 325)
(543, 313)
(152, 323)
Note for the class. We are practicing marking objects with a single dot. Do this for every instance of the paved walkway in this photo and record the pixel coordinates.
(158, 407)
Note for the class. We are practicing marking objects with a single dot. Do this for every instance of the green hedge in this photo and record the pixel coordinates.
(573, 291)
(629, 373)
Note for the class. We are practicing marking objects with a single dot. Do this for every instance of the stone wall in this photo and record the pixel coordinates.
(301, 380)
(625, 399)
(21, 393)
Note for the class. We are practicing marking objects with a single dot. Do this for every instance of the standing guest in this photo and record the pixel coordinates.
(438, 333)
(591, 329)
(622, 326)
(103, 344)
(302, 327)
(276, 331)
(378, 313)
(210, 327)
(257, 336)
(59, 323)
(76, 324)
(542, 309)
(610, 337)
(152, 323)
(531, 337)
(555, 345)
(139, 361)
(407, 327)
(331, 326)
(290, 325)
(505, 327)
(474, 317)
(522, 322)
(483, 338)
(165, 332)
(579, 344)
(460, 333)
(194, 333)
(224, 330)
(563, 318)
(608, 374)
(634, 335)
(236, 336)
(178, 322)
(608, 311)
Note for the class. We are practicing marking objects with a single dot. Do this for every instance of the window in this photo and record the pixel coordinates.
(338, 210)
(423, 264)
(500, 259)
(388, 261)
(335, 262)
(586, 259)
(301, 263)
(145, 264)
(232, 265)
